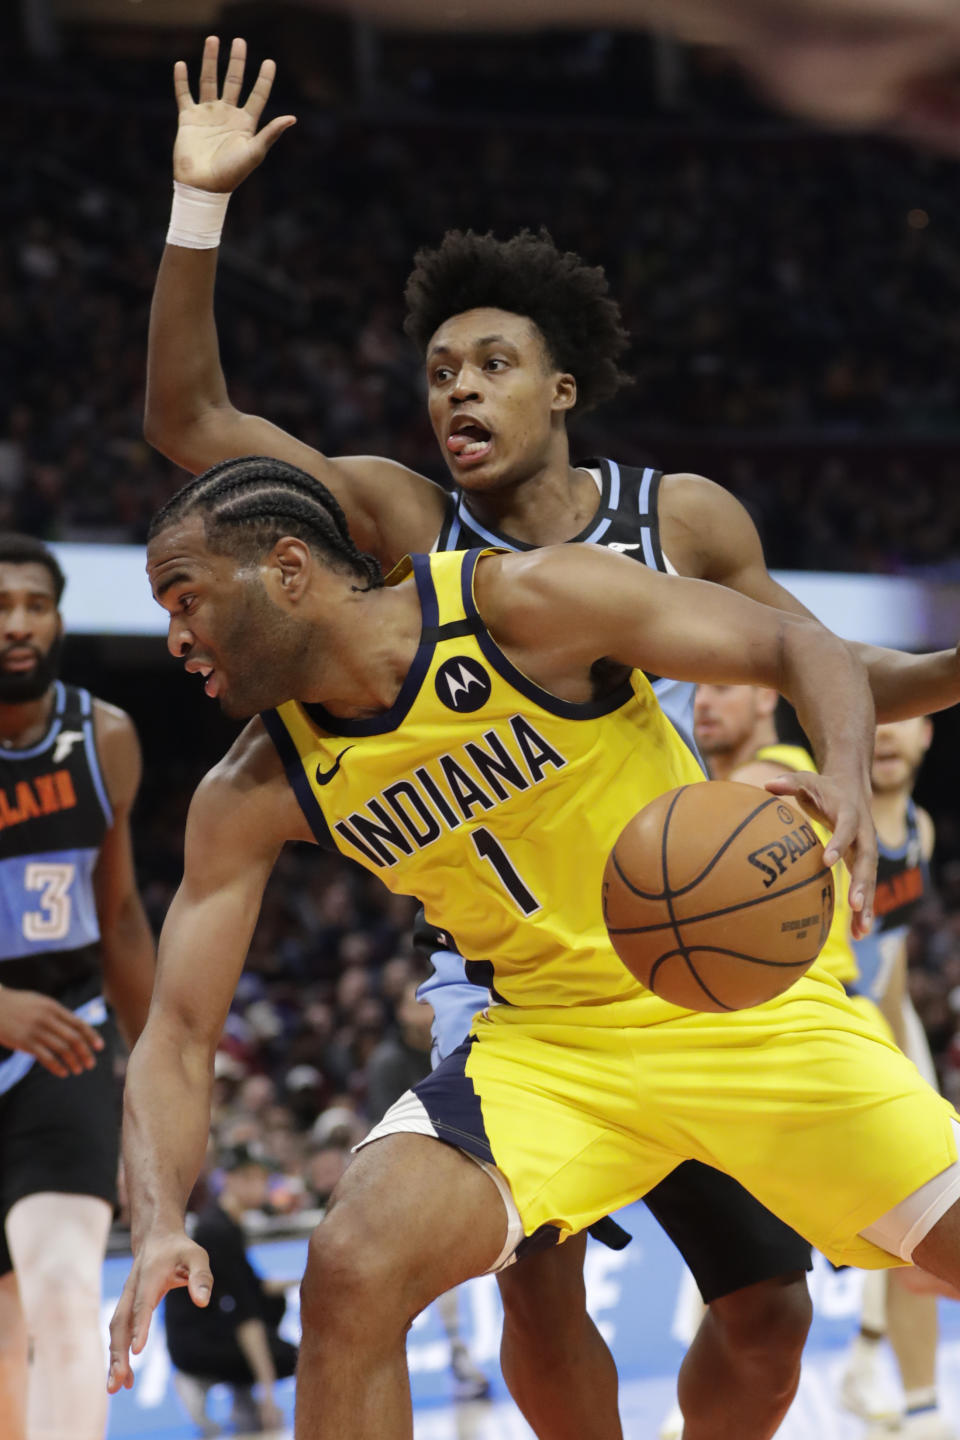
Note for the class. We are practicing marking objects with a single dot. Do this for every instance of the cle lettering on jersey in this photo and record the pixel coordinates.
(41, 795)
(413, 812)
(900, 888)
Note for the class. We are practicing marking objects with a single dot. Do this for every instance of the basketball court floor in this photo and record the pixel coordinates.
(639, 1298)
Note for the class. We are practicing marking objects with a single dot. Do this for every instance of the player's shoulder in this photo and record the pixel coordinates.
(703, 527)
(927, 831)
(246, 798)
(110, 723)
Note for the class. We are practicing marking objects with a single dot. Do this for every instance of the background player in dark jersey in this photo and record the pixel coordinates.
(905, 839)
(735, 728)
(518, 337)
(73, 936)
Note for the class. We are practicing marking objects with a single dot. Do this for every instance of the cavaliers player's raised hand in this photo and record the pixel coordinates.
(218, 143)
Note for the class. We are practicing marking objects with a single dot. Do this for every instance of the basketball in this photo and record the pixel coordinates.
(716, 896)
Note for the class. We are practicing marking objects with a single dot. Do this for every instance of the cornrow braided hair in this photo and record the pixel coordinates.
(249, 503)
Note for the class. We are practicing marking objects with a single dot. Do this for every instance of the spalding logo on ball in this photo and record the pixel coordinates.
(716, 896)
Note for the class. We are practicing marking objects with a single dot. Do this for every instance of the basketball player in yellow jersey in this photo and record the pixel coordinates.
(516, 337)
(478, 731)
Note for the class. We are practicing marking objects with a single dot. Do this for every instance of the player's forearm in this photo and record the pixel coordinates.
(185, 379)
(166, 1121)
(830, 691)
(905, 685)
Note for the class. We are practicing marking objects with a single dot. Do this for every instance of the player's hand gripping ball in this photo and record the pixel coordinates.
(716, 896)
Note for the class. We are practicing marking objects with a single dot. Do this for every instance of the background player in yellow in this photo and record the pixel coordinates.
(523, 491)
(585, 1089)
(735, 728)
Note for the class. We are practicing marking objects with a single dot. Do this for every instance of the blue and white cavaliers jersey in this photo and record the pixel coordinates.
(626, 520)
(903, 878)
(54, 814)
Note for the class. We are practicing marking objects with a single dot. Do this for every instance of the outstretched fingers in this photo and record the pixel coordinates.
(233, 80)
(181, 85)
(262, 86)
(208, 69)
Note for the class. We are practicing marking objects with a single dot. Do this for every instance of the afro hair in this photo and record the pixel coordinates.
(568, 301)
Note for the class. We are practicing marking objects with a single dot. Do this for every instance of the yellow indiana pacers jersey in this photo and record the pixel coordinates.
(490, 800)
(837, 954)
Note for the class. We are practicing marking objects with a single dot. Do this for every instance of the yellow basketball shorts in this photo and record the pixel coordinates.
(802, 1100)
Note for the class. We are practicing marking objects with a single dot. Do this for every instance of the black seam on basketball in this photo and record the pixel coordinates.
(753, 959)
(667, 895)
(664, 895)
(642, 894)
(684, 955)
(773, 800)
(716, 914)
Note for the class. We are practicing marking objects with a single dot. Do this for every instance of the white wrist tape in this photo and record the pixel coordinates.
(197, 217)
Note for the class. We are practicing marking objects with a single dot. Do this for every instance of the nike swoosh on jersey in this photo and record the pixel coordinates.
(325, 776)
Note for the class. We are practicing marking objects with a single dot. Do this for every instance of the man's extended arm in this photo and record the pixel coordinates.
(885, 63)
(557, 611)
(189, 415)
(719, 542)
(239, 818)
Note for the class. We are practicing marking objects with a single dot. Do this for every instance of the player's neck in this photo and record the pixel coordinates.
(547, 508)
(362, 671)
(890, 816)
(23, 725)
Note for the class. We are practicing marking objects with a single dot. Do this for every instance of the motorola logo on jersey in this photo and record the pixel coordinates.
(463, 684)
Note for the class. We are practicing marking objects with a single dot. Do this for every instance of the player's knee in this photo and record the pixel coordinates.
(61, 1302)
(349, 1285)
(766, 1325)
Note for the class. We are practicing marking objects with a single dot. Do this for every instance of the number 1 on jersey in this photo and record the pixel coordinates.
(489, 848)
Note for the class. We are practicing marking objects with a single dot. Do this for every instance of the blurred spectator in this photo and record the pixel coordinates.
(234, 1340)
(403, 1057)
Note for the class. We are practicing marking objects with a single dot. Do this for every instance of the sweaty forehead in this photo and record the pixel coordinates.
(472, 328)
(180, 548)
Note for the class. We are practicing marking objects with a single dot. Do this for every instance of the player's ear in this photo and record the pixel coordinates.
(565, 393)
(288, 569)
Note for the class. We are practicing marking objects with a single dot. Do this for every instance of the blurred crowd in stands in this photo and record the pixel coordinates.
(793, 299)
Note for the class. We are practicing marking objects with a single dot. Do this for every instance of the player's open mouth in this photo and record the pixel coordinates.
(211, 685)
(469, 442)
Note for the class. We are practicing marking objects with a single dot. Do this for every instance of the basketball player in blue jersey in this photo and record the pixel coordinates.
(73, 938)
(476, 730)
(517, 337)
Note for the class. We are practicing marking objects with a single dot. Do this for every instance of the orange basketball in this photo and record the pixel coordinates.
(716, 896)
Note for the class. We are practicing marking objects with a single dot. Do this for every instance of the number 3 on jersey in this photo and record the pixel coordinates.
(490, 849)
(52, 920)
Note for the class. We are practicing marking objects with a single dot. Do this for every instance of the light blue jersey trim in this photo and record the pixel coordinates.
(59, 702)
(93, 759)
(459, 1001)
(488, 535)
(614, 485)
(596, 535)
(20, 1063)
